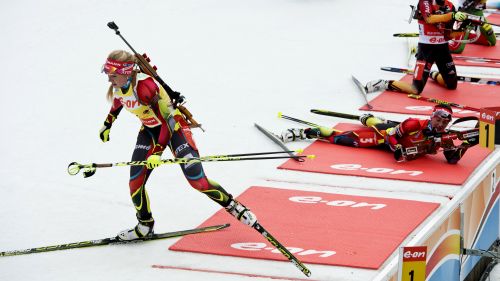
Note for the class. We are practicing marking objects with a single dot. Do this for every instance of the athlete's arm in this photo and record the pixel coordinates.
(148, 93)
(406, 127)
(425, 7)
(456, 153)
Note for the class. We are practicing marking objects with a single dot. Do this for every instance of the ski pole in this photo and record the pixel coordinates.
(89, 169)
(419, 97)
(460, 78)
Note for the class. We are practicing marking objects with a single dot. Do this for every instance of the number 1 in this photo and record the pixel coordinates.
(487, 129)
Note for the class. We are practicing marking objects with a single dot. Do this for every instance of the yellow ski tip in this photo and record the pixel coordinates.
(299, 150)
(312, 156)
(280, 114)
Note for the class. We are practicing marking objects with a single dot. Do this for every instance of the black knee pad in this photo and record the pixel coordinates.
(419, 86)
(451, 82)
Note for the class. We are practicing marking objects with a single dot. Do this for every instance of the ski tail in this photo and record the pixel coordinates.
(179, 233)
(282, 249)
(110, 240)
(397, 70)
(362, 89)
(278, 141)
(405, 35)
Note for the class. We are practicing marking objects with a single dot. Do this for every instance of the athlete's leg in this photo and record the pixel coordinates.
(138, 177)
(487, 37)
(390, 85)
(447, 75)
(294, 134)
(367, 137)
(426, 56)
(420, 75)
(183, 145)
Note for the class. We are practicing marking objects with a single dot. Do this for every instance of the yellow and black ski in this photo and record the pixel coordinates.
(111, 240)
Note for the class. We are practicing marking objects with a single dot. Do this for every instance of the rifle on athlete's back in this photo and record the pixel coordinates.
(147, 68)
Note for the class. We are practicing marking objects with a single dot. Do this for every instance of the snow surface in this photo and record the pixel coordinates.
(237, 62)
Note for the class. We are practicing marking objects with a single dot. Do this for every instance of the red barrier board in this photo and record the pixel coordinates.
(494, 18)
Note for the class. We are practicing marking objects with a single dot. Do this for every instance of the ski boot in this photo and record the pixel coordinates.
(240, 212)
(292, 135)
(142, 230)
(376, 85)
(369, 120)
(363, 118)
(434, 75)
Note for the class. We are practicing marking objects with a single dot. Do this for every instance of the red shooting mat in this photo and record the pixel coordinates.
(479, 51)
(473, 95)
(318, 228)
(494, 19)
(379, 163)
(473, 50)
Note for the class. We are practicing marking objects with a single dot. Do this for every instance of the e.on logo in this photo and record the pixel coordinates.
(487, 117)
(257, 246)
(356, 167)
(412, 255)
(336, 203)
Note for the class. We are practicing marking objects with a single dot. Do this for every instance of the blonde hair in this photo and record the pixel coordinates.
(121, 55)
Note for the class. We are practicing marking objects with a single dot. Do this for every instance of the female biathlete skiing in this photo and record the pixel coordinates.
(162, 127)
